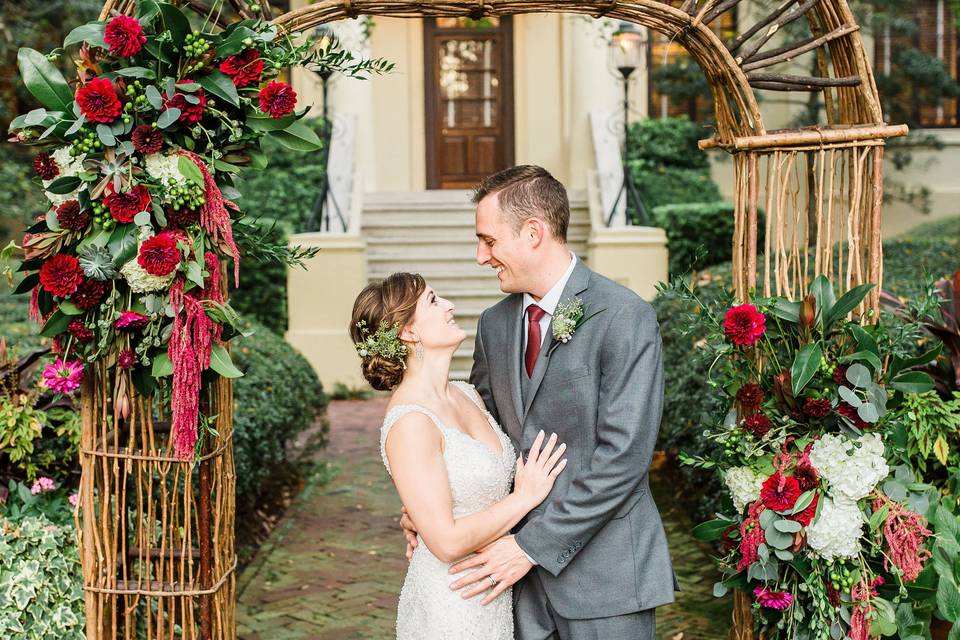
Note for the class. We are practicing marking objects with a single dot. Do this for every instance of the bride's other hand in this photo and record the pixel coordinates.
(534, 478)
(409, 531)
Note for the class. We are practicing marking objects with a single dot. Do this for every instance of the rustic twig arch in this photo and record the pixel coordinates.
(820, 188)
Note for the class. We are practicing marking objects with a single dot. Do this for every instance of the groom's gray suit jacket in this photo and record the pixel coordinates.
(597, 537)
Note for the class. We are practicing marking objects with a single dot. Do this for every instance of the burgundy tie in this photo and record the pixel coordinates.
(534, 313)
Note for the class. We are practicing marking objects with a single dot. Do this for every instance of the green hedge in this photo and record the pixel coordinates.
(262, 293)
(278, 398)
(687, 395)
(689, 226)
(944, 228)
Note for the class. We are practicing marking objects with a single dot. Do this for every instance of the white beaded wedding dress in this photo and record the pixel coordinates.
(479, 476)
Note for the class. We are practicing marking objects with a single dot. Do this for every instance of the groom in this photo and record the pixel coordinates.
(592, 560)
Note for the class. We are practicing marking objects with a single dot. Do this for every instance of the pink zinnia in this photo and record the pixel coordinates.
(74, 499)
(131, 320)
(744, 325)
(42, 484)
(779, 600)
(63, 376)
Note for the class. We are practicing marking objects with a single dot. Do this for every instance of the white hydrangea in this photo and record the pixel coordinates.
(141, 281)
(837, 530)
(851, 475)
(69, 166)
(744, 485)
(164, 167)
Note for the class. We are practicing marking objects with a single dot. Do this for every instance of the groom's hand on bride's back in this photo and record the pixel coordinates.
(409, 531)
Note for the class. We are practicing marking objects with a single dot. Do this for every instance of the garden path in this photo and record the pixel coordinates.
(332, 568)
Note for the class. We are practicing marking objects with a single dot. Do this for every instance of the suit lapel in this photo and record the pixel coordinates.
(576, 285)
(513, 357)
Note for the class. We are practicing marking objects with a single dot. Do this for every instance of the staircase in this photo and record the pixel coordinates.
(431, 233)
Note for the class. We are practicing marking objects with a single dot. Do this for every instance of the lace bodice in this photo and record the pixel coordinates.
(478, 477)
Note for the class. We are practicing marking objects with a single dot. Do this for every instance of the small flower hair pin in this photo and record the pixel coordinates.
(384, 342)
(568, 317)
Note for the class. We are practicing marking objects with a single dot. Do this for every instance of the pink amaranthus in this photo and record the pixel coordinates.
(904, 532)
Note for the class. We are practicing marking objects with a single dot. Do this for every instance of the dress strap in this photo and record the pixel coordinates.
(391, 419)
(471, 392)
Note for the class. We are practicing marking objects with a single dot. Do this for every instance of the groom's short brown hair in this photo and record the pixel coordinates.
(527, 191)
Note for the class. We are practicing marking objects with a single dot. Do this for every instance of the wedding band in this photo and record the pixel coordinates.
(493, 581)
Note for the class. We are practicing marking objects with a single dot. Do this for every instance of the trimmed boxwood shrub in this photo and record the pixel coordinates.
(690, 225)
(687, 395)
(944, 228)
(278, 397)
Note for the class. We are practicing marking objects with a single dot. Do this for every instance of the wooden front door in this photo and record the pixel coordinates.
(469, 94)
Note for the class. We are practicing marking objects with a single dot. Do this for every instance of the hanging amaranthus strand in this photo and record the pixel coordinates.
(35, 304)
(189, 351)
(211, 289)
(904, 532)
(214, 217)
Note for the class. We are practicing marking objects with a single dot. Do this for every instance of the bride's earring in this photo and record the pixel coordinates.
(418, 350)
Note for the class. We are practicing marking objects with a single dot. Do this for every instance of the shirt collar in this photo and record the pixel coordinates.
(550, 301)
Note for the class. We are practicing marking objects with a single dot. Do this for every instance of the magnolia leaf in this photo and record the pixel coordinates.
(137, 72)
(847, 303)
(263, 122)
(64, 185)
(912, 382)
(711, 530)
(70, 309)
(298, 137)
(44, 80)
(92, 32)
(174, 21)
(864, 356)
(189, 170)
(162, 366)
(805, 366)
(822, 292)
(221, 363)
(220, 85)
(55, 325)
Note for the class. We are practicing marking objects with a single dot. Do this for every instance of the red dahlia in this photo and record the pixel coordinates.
(243, 68)
(124, 35)
(744, 325)
(806, 475)
(98, 100)
(850, 412)
(79, 331)
(780, 492)
(182, 217)
(757, 424)
(125, 205)
(45, 166)
(840, 374)
(159, 255)
(61, 275)
(126, 359)
(71, 217)
(750, 396)
(89, 294)
(817, 407)
(190, 113)
(278, 99)
(146, 139)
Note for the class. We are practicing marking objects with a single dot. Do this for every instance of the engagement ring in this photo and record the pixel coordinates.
(493, 581)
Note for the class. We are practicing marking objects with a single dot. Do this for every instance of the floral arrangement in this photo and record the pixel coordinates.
(824, 535)
(137, 162)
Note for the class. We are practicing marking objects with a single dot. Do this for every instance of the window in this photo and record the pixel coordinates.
(677, 85)
(916, 65)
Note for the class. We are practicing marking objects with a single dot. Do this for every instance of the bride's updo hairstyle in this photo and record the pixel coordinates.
(391, 303)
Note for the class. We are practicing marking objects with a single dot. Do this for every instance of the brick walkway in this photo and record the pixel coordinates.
(333, 567)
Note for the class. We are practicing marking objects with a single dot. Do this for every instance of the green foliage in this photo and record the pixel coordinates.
(20, 202)
(930, 433)
(262, 293)
(944, 228)
(41, 585)
(37, 442)
(278, 398)
(691, 225)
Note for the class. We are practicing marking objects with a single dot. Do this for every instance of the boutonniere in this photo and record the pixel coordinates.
(568, 317)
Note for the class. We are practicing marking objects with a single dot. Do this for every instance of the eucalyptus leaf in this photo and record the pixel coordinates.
(787, 526)
(849, 396)
(895, 490)
(783, 554)
(868, 412)
(154, 97)
(778, 539)
(168, 117)
(142, 219)
(35, 117)
(106, 135)
(719, 589)
(76, 125)
(859, 375)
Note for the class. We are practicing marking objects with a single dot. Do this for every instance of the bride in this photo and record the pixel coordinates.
(451, 463)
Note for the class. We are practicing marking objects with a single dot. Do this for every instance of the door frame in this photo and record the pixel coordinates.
(430, 92)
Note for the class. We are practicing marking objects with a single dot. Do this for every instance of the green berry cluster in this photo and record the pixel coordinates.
(186, 196)
(737, 443)
(102, 217)
(195, 47)
(85, 142)
(137, 98)
(841, 578)
(826, 366)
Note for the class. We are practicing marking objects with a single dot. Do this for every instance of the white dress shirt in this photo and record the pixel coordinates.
(549, 304)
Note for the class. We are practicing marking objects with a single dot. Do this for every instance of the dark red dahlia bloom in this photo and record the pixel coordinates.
(124, 36)
(805, 517)
(780, 492)
(61, 275)
(190, 113)
(278, 99)
(744, 325)
(840, 374)
(98, 101)
(71, 217)
(817, 407)
(125, 205)
(126, 359)
(131, 320)
(159, 255)
(806, 475)
(750, 396)
(243, 68)
(79, 331)
(45, 166)
(90, 294)
(146, 139)
(182, 217)
(757, 424)
(850, 413)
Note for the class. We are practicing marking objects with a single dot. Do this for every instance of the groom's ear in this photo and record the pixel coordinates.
(534, 231)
